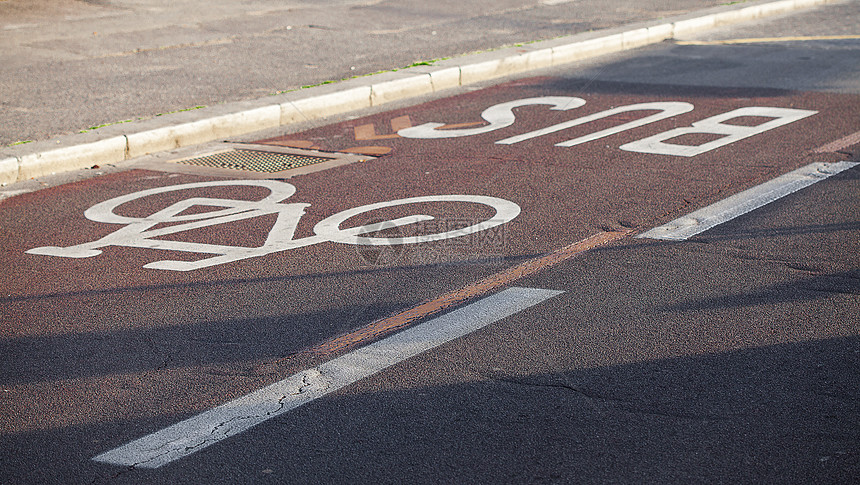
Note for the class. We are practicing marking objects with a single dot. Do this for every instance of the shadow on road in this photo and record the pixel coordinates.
(778, 414)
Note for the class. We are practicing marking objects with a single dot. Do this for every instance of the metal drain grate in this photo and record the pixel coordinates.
(255, 160)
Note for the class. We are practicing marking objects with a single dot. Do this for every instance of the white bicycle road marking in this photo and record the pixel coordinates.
(140, 232)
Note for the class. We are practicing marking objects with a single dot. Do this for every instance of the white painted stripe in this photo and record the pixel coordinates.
(746, 201)
(234, 417)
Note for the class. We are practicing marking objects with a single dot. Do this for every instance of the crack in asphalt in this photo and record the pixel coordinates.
(622, 405)
(588, 395)
(312, 380)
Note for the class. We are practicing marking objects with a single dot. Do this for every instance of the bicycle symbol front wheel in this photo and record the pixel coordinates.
(329, 228)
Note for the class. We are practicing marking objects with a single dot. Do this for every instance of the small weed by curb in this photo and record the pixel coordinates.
(105, 124)
(138, 119)
(323, 83)
(418, 63)
(179, 111)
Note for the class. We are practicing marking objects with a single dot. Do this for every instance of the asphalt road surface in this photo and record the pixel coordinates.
(173, 325)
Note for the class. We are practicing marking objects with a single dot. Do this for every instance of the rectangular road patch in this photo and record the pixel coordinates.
(234, 417)
(749, 200)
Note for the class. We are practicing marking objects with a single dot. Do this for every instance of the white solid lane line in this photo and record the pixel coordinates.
(234, 417)
(746, 201)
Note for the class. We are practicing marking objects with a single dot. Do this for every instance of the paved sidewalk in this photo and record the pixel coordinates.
(69, 65)
(88, 85)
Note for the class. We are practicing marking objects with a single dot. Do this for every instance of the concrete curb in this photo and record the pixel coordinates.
(120, 142)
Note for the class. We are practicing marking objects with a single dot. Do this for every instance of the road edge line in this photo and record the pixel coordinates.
(122, 142)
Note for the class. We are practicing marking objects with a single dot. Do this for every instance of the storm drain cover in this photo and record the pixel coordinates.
(255, 160)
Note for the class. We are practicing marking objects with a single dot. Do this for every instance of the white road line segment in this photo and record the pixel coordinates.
(749, 200)
(234, 417)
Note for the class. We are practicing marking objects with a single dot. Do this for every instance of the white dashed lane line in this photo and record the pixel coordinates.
(234, 417)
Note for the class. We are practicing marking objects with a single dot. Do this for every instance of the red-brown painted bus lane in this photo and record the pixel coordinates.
(135, 300)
